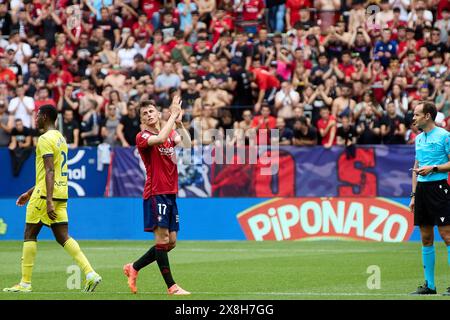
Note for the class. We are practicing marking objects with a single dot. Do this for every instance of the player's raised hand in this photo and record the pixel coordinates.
(23, 199)
(175, 107)
(180, 118)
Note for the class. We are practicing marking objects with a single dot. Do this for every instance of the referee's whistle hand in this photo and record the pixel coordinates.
(411, 205)
(423, 171)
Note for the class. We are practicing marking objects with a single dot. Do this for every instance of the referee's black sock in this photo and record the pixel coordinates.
(146, 259)
(163, 263)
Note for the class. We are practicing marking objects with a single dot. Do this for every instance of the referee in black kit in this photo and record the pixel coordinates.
(430, 197)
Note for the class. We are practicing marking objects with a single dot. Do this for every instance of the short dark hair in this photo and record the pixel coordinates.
(146, 103)
(303, 120)
(49, 111)
(179, 34)
(429, 107)
(265, 105)
(347, 52)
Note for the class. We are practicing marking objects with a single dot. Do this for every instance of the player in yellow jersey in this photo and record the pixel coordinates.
(48, 202)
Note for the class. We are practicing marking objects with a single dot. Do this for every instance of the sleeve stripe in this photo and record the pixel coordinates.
(47, 155)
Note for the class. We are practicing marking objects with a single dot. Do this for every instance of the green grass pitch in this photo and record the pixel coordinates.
(234, 270)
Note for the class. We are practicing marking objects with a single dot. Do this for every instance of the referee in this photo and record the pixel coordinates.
(430, 197)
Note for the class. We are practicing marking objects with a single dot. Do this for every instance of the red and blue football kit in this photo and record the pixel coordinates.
(161, 185)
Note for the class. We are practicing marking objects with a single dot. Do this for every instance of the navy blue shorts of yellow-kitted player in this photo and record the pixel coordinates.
(161, 211)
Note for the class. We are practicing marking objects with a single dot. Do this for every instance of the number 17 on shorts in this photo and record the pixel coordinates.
(161, 211)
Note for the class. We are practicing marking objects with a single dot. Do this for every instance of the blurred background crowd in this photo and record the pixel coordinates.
(323, 72)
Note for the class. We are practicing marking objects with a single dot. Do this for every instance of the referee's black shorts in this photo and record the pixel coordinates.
(432, 204)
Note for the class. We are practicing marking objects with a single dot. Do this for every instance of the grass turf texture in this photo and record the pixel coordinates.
(233, 270)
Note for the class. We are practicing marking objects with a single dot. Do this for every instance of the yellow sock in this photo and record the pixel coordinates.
(28, 256)
(72, 248)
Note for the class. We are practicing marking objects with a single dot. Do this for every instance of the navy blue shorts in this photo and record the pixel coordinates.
(161, 211)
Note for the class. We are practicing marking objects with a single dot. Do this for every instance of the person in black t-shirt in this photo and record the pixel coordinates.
(192, 73)
(110, 29)
(129, 127)
(20, 146)
(241, 84)
(285, 134)
(5, 18)
(368, 126)
(393, 128)
(84, 52)
(168, 27)
(242, 53)
(20, 136)
(201, 51)
(219, 74)
(189, 96)
(70, 129)
(32, 78)
(304, 133)
(435, 45)
(346, 136)
(140, 73)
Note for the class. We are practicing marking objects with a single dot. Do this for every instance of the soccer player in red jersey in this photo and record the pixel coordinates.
(156, 148)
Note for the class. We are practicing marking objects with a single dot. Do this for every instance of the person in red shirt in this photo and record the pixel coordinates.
(219, 24)
(346, 67)
(7, 75)
(396, 23)
(142, 28)
(62, 52)
(263, 123)
(267, 83)
(58, 80)
(252, 14)
(441, 5)
(293, 11)
(159, 51)
(327, 127)
(151, 8)
(156, 148)
(299, 60)
(43, 99)
(411, 66)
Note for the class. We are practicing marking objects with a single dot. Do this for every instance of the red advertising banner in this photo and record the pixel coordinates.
(368, 219)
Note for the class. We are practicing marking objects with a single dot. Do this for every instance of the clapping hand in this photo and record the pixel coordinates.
(175, 107)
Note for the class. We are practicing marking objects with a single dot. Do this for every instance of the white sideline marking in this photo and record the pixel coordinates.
(244, 250)
(349, 294)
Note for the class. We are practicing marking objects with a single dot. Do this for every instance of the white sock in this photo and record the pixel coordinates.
(90, 275)
(25, 285)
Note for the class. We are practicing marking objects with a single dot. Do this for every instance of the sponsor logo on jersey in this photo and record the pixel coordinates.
(166, 151)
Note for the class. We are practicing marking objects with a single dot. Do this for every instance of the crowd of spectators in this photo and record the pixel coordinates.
(323, 72)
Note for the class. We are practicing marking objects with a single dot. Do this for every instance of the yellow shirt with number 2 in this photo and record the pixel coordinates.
(51, 143)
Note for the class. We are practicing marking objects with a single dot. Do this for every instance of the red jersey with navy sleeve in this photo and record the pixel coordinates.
(160, 164)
